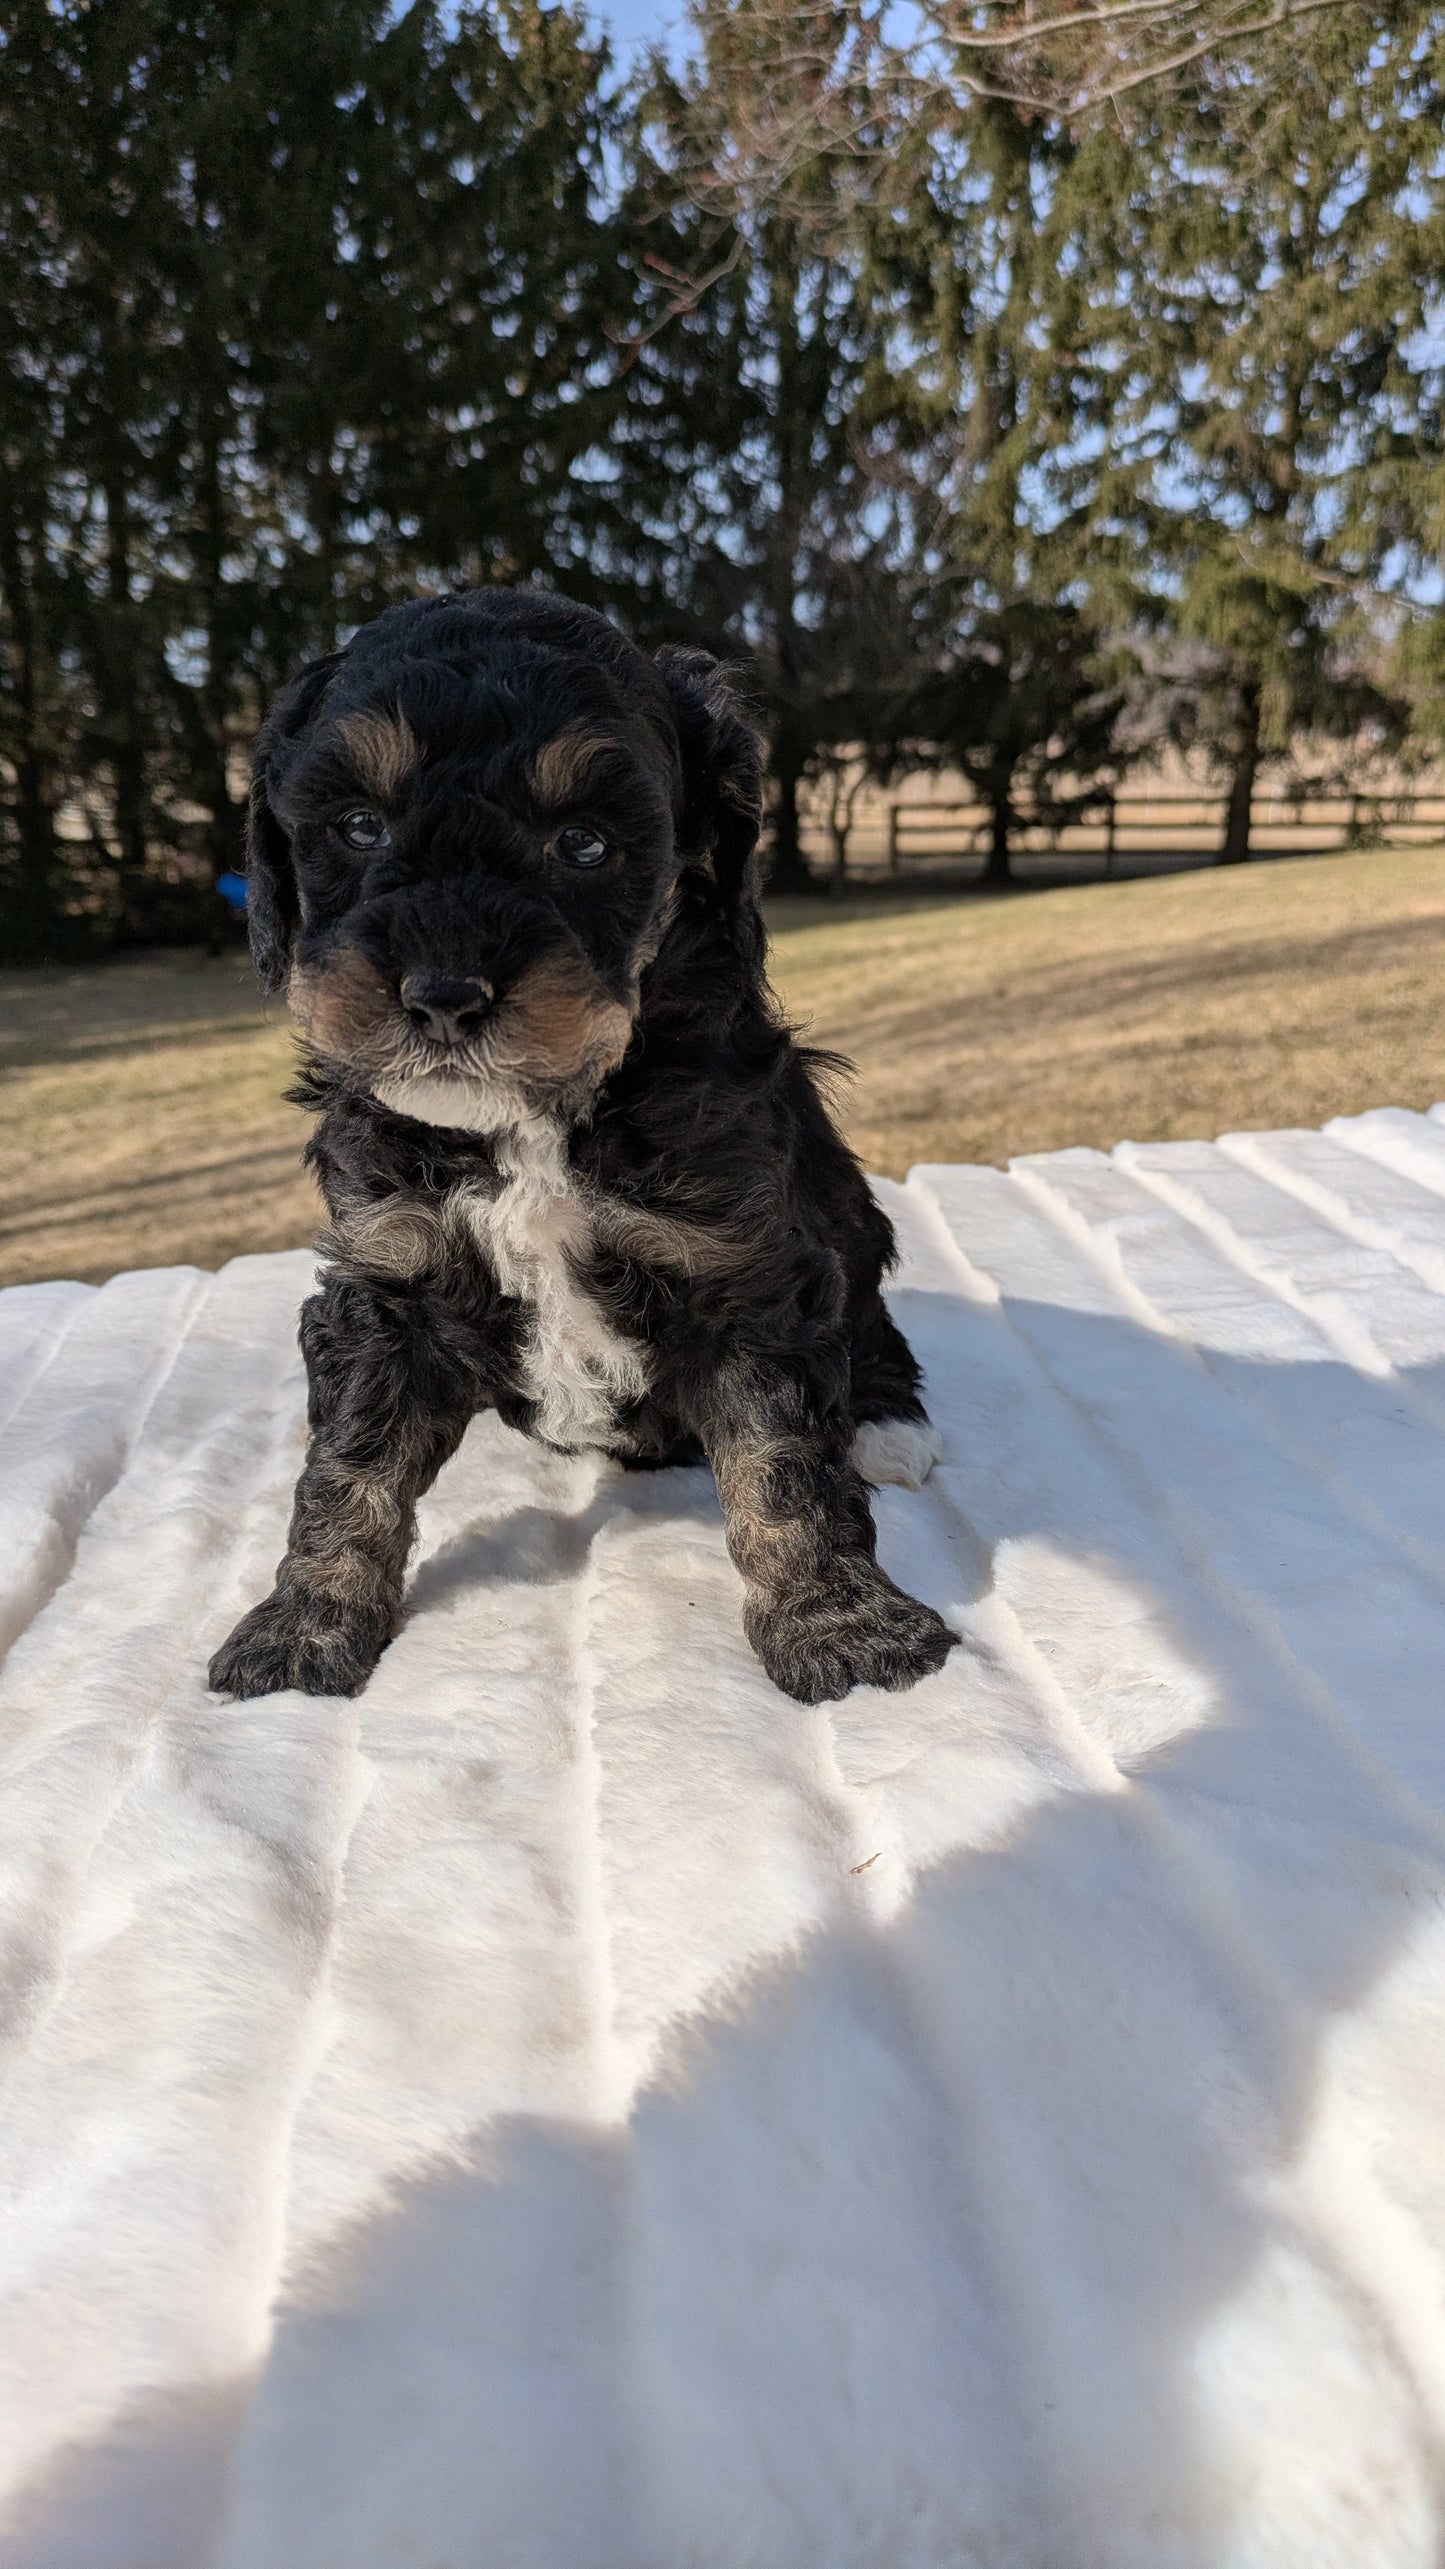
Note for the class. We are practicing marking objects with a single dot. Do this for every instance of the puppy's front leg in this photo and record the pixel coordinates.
(819, 1612)
(386, 1411)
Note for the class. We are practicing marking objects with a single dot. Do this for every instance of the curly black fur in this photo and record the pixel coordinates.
(578, 1169)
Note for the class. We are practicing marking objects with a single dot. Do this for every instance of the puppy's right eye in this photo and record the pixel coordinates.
(581, 847)
(365, 831)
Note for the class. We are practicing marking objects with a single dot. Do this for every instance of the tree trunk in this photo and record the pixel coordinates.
(224, 835)
(35, 910)
(123, 718)
(324, 518)
(1234, 848)
(998, 866)
(787, 871)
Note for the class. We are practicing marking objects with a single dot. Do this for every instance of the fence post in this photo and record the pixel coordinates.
(892, 838)
(1109, 837)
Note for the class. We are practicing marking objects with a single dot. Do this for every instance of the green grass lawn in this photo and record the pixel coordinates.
(144, 1104)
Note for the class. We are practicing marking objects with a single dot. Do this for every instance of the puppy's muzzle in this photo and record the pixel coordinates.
(449, 1009)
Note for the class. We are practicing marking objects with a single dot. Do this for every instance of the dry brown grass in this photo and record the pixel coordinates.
(146, 1124)
(144, 1119)
(1151, 1010)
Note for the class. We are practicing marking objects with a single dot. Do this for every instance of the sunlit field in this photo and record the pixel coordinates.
(146, 1124)
(1153, 1010)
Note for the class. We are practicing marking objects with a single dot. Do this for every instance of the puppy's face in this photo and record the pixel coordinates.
(466, 835)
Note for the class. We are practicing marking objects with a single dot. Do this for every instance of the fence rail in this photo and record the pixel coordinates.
(1154, 826)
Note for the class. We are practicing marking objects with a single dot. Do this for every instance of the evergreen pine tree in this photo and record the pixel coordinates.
(1234, 376)
(788, 531)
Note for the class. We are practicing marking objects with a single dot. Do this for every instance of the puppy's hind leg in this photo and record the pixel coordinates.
(894, 1439)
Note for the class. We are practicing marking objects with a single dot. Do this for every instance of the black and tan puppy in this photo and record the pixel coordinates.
(577, 1169)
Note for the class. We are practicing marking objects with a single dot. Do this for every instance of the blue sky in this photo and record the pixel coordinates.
(634, 23)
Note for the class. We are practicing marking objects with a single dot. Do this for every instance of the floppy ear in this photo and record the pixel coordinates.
(272, 914)
(722, 785)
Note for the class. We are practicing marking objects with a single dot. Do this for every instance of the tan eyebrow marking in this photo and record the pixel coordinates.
(383, 748)
(560, 768)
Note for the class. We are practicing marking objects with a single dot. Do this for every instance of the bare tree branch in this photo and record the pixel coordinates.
(688, 294)
(1100, 92)
(1037, 31)
(820, 74)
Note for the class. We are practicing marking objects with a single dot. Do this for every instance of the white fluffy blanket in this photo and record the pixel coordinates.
(575, 2109)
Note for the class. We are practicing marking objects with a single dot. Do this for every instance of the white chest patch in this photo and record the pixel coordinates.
(536, 1232)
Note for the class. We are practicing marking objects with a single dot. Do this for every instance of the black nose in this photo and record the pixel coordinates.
(448, 1007)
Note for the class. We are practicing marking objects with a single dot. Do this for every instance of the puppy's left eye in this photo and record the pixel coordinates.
(364, 830)
(581, 847)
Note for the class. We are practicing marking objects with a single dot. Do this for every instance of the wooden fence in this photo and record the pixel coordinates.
(1153, 828)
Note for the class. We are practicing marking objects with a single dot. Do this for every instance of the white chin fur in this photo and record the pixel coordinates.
(458, 1105)
(900, 1450)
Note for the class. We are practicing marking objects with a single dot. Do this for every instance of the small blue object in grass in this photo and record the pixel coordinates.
(232, 888)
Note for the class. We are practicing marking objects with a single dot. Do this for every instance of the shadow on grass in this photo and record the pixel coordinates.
(79, 1013)
(192, 1182)
(948, 879)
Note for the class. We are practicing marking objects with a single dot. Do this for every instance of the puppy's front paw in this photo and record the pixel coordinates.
(309, 1642)
(858, 1630)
